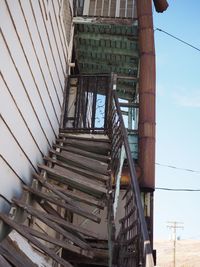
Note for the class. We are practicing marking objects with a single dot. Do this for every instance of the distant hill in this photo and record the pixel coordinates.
(187, 253)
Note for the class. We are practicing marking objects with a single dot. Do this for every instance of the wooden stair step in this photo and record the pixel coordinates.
(81, 161)
(92, 146)
(93, 131)
(83, 199)
(33, 240)
(74, 180)
(84, 172)
(79, 176)
(58, 220)
(101, 257)
(10, 252)
(86, 137)
(99, 244)
(58, 242)
(3, 261)
(52, 224)
(83, 152)
(58, 201)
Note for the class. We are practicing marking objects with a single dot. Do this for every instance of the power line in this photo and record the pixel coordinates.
(177, 168)
(178, 189)
(180, 40)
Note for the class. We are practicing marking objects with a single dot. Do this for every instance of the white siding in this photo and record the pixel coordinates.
(33, 61)
(110, 8)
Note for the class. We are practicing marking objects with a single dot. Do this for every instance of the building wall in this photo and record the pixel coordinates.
(110, 8)
(35, 50)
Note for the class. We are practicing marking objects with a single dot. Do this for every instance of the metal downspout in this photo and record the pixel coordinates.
(147, 89)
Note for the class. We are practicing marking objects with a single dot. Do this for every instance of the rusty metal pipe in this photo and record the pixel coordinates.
(147, 88)
(160, 5)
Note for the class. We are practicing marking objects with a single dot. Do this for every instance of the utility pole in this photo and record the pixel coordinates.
(173, 226)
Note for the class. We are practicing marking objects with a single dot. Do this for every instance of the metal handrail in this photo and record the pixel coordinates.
(134, 229)
(86, 111)
(147, 260)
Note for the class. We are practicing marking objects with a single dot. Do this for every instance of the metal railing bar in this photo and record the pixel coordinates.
(134, 182)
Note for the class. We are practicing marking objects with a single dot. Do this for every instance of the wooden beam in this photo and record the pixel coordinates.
(84, 172)
(100, 258)
(104, 36)
(10, 250)
(84, 199)
(109, 61)
(73, 208)
(34, 241)
(82, 152)
(81, 162)
(84, 138)
(92, 146)
(56, 219)
(129, 105)
(94, 131)
(4, 262)
(76, 181)
(61, 243)
(52, 224)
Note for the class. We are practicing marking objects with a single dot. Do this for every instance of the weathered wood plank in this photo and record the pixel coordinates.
(81, 177)
(82, 152)
(100, 244)
(58, 194)
(94, 131)
(84, 199)
(46, 206)
(4, 262)
(89, 137)
(59, 202)
(61, 243)
(59, 220)
(54, 216)
(74, 180)
(81, 161)
(100, 258)
(92, 146)
(51, 224)
(84, 172)
(34, 241)
(14, 254)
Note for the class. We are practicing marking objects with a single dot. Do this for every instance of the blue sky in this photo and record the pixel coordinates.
(178, 118)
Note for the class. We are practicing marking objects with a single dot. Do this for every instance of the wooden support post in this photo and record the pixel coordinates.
(33, 240)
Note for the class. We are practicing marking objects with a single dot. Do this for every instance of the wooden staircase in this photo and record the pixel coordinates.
(67, 204)
(70, 204)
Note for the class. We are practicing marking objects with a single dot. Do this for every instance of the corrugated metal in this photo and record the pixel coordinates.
(34, 55)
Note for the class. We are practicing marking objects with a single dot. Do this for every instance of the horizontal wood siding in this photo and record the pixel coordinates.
(34, 44)
(110, 8)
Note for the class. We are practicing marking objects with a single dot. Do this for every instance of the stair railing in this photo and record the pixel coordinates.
(132, 246)
(87, 102)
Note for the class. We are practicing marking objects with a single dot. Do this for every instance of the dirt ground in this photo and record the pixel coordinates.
(187, 253)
